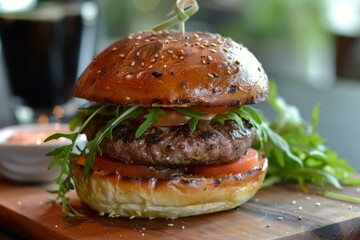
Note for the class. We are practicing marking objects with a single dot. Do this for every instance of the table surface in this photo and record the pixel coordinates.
(275, 212)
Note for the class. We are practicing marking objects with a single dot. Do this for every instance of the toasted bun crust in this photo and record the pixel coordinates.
(167, 68)
(117, 196)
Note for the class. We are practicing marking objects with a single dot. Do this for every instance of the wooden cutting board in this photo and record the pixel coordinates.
(275, 212)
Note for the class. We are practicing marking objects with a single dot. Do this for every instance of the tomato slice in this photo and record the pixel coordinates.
(246, 163)
(175, 118)
(213, 110)
(104, 163)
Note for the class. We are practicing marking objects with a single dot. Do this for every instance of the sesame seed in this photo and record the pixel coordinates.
(162, 57)
(197, 44)
(210, 58)
(182, 51)
(317, 204)
(142, 64)
(99, 71)
(226, 50)
(165, 66)
(183, 227)
(187, 37)
(121, 55)
(147, 40)
(166, 41)
(153, 60)
(138, 37)
(237, 62)
(114, 49)
(129, 76)
(195, 35)
(213, 50)
(170, 51)
(203, 61)
(156, 56)
(132, 217)
(174, 41)
(174, 56)
(186, 44)
(132, 64)
(216, 75)
(170, 224)
(150, 66)
(206, 44)
(228, 72)
(210, 75)
(280, 218)
(130, 37)
(137, 53)
(202, 46)
(181, 57)
(213, 44)
(169, 37)
(300, 218)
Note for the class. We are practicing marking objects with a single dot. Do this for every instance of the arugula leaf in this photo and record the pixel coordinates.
(151, 118)
(319, 164)
(62, 155)
(195, 117)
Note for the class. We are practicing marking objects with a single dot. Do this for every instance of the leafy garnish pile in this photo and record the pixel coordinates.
(316, 163)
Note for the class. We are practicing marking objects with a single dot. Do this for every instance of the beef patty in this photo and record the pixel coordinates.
(176, 146)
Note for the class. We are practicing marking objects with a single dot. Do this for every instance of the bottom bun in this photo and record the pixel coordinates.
(119, 196)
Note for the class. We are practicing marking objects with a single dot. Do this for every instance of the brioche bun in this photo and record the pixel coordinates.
(168, 68)
(113, 195)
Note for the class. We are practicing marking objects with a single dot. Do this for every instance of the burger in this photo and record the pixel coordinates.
(169, 140)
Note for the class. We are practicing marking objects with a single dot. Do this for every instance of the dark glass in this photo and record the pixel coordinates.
(41, 55)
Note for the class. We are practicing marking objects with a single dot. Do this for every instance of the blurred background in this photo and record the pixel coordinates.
(311, 48)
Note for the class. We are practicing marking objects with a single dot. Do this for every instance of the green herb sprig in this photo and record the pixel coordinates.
(65, 158)
(319, 164)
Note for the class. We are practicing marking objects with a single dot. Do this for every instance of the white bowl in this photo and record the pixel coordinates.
(25, 161)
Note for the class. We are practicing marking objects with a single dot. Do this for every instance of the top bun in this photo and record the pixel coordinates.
(168, 68)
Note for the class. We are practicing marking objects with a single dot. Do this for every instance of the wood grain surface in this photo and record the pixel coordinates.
(275, 212)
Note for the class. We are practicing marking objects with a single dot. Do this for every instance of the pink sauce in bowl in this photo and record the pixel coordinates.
(32, 137)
